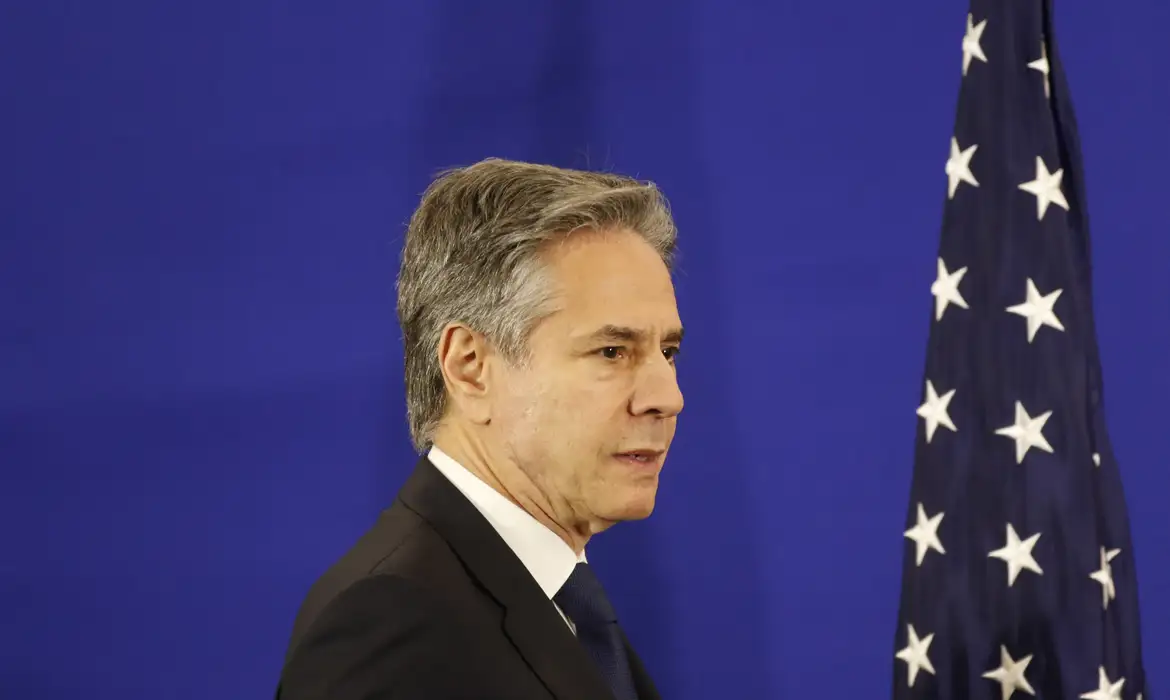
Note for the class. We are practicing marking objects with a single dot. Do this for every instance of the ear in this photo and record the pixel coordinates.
(463, 360)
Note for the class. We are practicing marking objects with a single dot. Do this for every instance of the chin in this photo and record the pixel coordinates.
(638, 507)
(624, 498)
(640, 512)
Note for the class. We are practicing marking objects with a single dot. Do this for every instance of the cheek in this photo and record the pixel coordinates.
(561, 429)
(559, 421)
(528, 417)
(581, 410)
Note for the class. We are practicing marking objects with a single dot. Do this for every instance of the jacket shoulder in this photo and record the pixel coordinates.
(384, 635)
(399, 543)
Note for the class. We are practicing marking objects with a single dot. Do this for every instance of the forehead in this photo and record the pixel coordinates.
(614, 277)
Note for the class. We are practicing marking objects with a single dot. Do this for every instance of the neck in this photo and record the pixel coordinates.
(508, 479)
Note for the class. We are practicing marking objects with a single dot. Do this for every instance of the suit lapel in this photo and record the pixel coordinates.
(554, 654)
(531, 621)
(642, 681)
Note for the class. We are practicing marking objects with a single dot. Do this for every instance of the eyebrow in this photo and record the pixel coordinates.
(628, 334)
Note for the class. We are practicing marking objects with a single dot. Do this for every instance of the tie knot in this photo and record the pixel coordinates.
(583, 599)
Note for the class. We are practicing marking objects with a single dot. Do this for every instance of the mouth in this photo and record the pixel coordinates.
(642, 458)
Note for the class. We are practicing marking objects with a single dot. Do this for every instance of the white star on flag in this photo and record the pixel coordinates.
(1037, 309)
(946, 289)
(914, 654)
(1041, 64)
(1010, 674)
(1104, 576)
(1027, 432)
(958, 167)
(925, 534)
(1105, 690)
(1017, 554)
(934, 410)
(971, 47)
(1046, 188)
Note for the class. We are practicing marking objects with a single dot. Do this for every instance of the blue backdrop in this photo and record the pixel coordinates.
(200, 382)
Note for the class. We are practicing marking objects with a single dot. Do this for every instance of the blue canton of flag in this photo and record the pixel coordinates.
(1019, 575)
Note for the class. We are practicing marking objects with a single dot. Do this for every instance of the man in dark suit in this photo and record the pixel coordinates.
(540, 330)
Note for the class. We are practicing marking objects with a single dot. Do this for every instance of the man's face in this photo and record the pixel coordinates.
(591, 416)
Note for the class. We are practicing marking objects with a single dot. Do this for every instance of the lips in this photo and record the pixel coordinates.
(644, 456)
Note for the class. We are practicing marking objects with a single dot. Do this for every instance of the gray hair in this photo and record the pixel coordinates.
(472, 256)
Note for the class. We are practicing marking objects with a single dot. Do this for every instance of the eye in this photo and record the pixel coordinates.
(611, 352)
(671, 353)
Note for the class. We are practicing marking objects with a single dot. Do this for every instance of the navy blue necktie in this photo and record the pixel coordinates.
(584, 601)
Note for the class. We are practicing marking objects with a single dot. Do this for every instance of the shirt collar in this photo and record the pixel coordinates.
(543, 553)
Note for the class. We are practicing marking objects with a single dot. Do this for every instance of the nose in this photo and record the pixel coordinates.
(657, 390)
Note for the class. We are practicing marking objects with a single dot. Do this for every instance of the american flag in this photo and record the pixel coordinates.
(1019, 576)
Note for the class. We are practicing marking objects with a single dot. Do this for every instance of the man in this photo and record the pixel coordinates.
(541, 332)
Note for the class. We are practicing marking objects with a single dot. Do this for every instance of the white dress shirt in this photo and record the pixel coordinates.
(546, 556)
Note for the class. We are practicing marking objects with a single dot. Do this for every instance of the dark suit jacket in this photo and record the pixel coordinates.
(431, 604)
